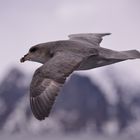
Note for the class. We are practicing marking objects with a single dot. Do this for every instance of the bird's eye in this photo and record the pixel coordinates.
(34, 49)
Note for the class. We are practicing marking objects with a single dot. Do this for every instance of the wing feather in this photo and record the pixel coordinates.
(93, 38)
(47, 82)
(42, 105)
(34, 108)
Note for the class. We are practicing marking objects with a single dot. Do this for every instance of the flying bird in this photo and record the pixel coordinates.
(60, 59)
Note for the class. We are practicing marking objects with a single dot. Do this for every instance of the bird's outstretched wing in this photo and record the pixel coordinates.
(93, 38)
(47, 81)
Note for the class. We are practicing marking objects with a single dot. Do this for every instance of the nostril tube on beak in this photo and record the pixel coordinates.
(23, 59)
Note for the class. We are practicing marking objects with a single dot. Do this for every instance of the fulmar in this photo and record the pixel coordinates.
(60, 58)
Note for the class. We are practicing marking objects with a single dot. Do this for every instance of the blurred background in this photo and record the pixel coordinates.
(102, 103)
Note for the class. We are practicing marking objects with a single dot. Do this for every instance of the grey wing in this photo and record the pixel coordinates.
(43, 92)
(47, 82)
(93, 38)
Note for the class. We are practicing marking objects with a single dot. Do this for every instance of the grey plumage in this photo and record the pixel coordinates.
(48, 80)
(94, 39)
(60, 59)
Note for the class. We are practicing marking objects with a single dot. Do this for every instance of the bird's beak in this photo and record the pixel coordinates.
(25, 58)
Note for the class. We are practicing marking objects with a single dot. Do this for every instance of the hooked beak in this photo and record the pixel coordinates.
(25, 58)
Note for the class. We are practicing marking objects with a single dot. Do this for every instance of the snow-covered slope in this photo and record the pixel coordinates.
(82, 105)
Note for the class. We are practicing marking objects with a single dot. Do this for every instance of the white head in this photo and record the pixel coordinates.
(37, 54)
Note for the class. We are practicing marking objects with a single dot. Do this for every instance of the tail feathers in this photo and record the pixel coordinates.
(131, 54)
(108, 57)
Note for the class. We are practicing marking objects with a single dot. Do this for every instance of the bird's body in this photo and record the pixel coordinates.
(93, 55)
(60, 59)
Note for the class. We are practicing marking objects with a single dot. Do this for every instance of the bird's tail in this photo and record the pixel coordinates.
(108, 57)
(130, 54)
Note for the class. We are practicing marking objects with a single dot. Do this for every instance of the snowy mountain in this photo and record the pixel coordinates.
(81, 106)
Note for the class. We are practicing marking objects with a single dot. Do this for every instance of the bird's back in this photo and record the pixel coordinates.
(79, 48)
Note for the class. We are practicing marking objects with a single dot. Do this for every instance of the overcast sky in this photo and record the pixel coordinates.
(24, 23)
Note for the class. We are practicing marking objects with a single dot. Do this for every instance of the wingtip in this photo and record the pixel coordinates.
(107, 34)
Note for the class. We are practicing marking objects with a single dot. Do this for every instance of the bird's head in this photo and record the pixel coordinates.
(36, 54)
